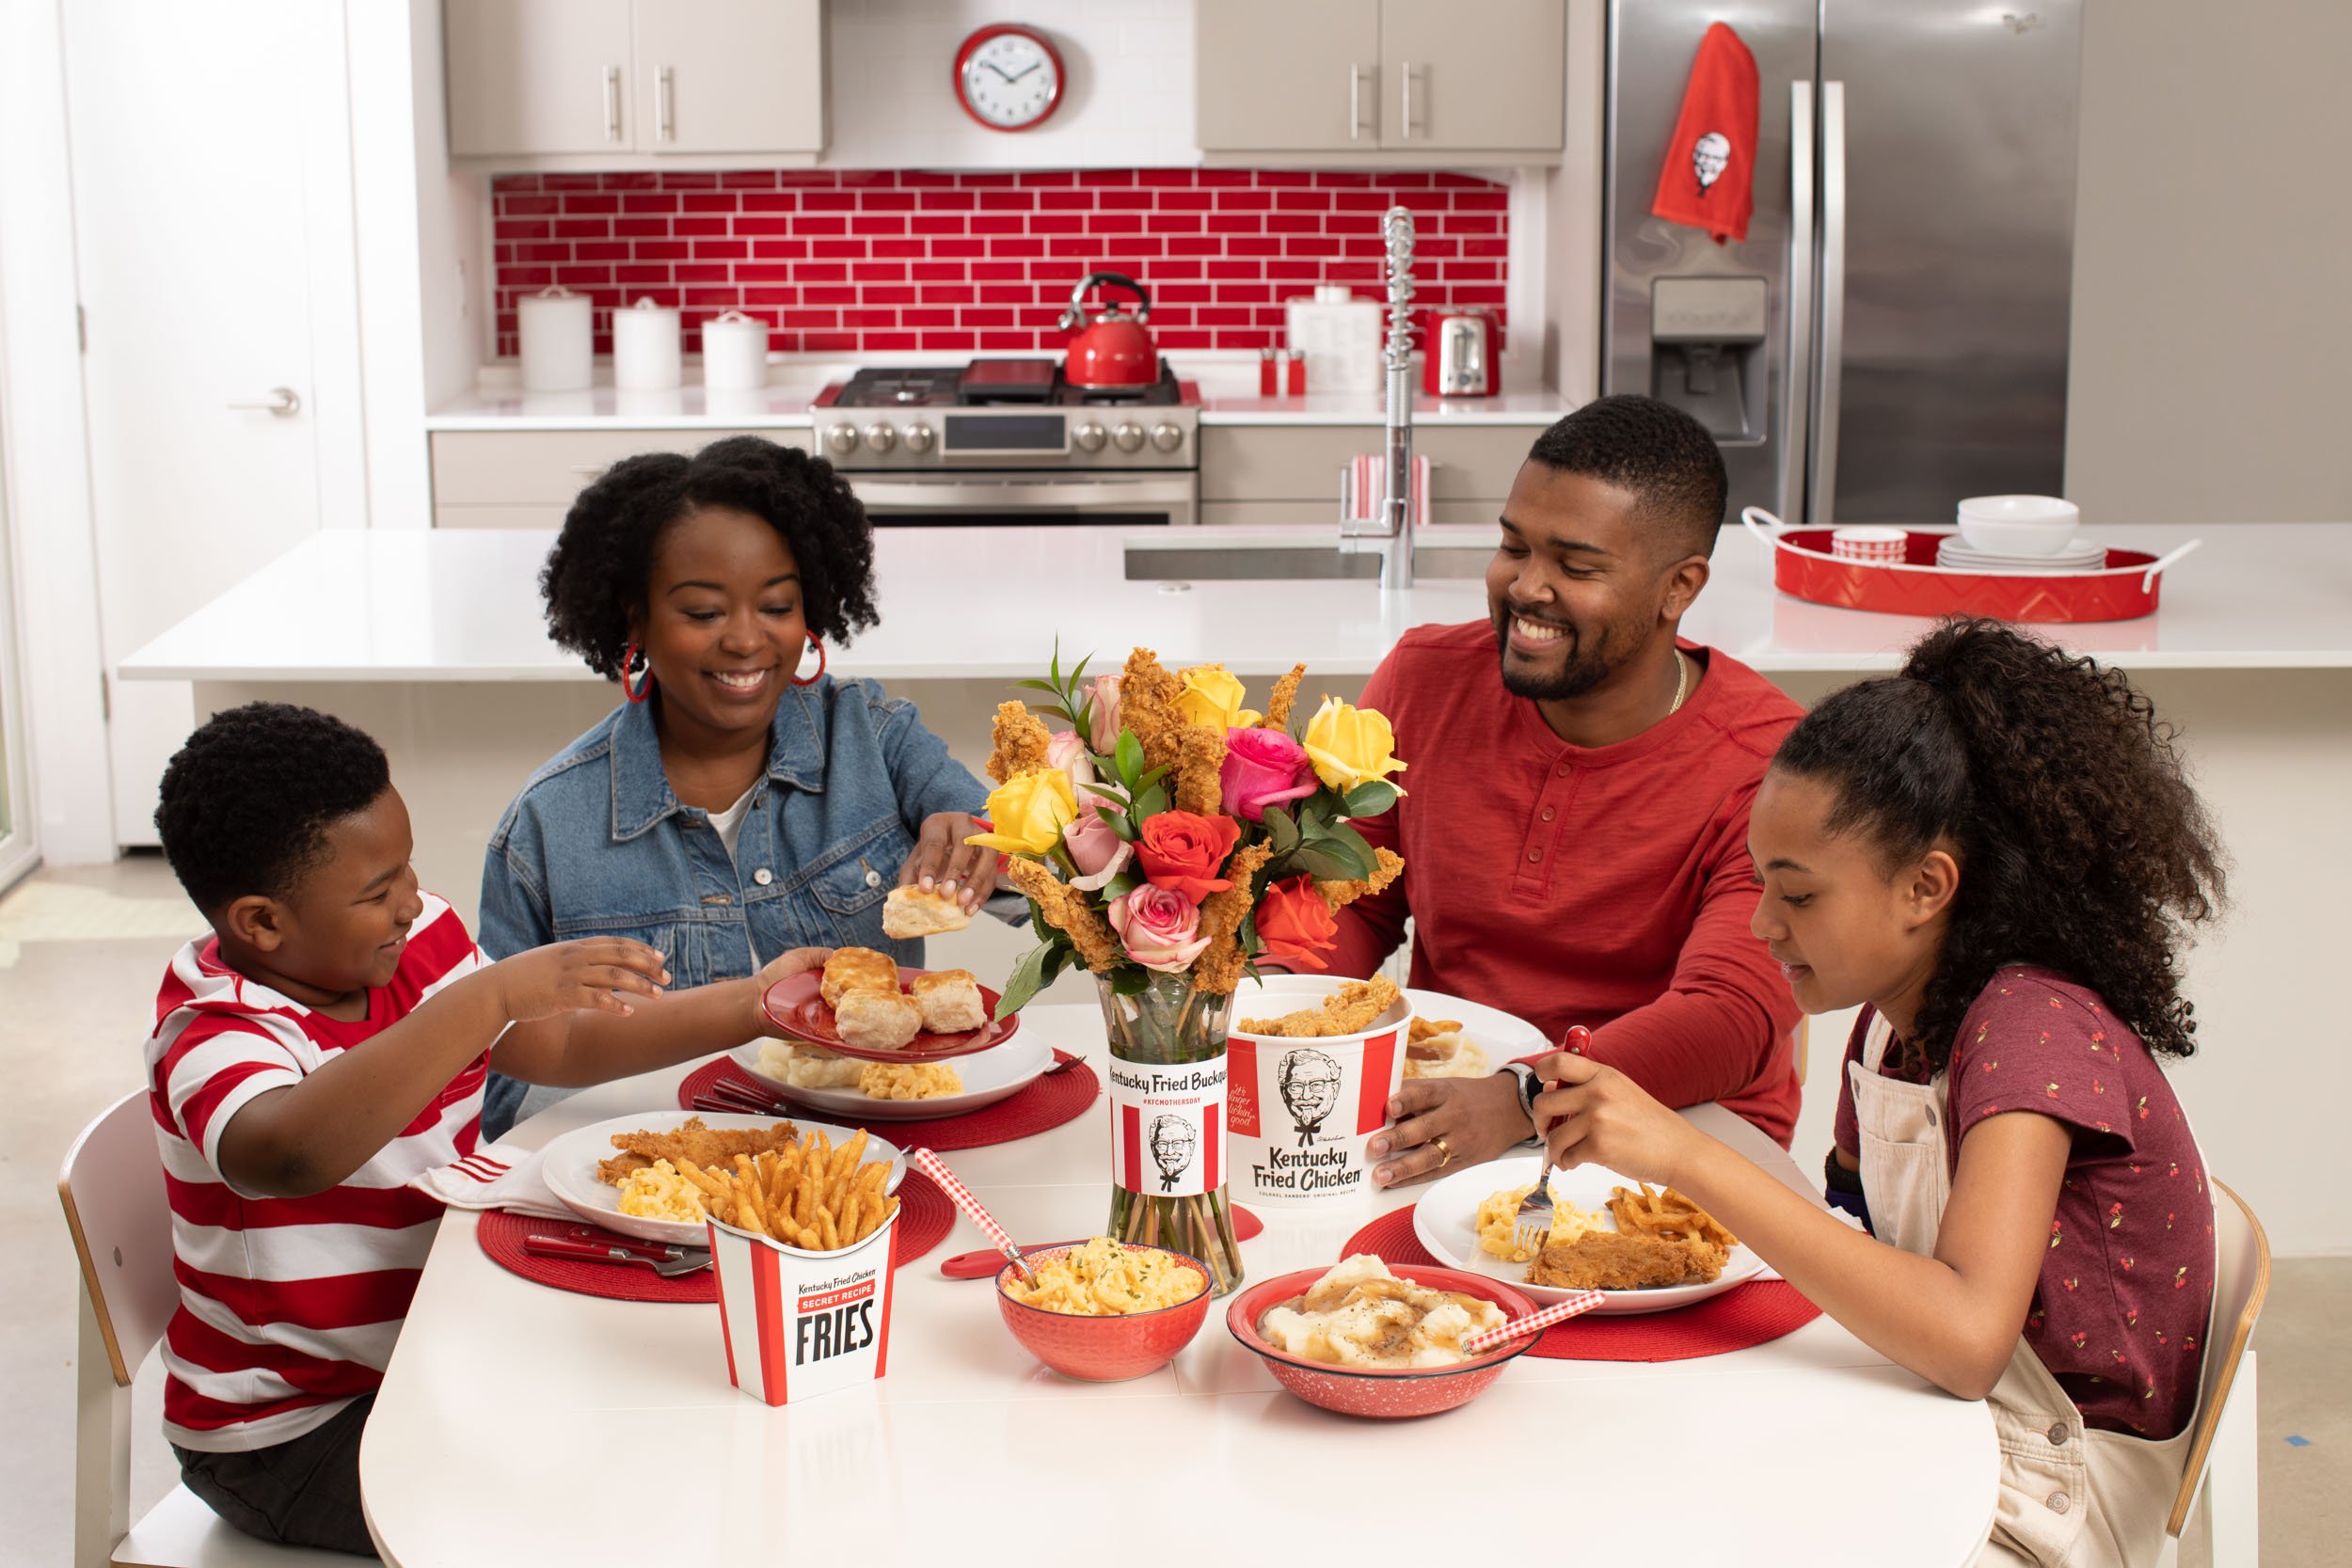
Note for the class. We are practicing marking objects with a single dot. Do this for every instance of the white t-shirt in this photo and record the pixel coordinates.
(730, 822)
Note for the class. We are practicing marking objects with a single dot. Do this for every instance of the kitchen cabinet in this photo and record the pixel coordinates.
(634, 84)
(529, 478)
(1390, 78)
(1263, 475)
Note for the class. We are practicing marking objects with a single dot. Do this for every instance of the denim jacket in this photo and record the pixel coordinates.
(599, 844)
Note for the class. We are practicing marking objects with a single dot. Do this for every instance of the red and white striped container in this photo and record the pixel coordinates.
(1868, 544)
(797, 1323)
(1303, 1108)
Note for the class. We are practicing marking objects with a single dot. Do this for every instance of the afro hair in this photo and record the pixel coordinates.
(247, 802)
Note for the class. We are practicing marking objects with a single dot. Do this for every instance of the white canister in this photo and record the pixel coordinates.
(558, 340)
(735, 352)
(647, 356)
(1342, 338)
(1300, 1110)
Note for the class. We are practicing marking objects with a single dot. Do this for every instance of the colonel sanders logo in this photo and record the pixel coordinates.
(1173, 1140)
(1708, 155)
(1309, 1081)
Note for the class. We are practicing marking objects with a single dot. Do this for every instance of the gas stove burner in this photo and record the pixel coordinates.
(995, 383)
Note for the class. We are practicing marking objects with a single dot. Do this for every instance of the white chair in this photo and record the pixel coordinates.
(2222, 1456)
(113, 1190)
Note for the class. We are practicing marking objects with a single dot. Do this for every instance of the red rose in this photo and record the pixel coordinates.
(1182, 851)
(1296, 926)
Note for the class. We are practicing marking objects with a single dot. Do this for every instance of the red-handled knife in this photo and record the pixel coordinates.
(680, 1260)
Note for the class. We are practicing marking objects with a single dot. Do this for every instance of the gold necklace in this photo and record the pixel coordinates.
(1683, 680)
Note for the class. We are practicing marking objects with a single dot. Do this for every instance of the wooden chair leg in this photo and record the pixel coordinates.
(101, 1448)
(2233, 1481)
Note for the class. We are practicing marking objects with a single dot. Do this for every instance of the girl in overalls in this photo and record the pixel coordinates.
(1996, 853)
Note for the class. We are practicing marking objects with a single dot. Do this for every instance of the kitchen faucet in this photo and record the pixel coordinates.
(1391, 532)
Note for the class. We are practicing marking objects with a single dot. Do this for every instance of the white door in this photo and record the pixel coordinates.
(188, 126)
(18, 848)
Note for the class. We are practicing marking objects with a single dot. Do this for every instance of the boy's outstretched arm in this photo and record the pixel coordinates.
(571, 1049)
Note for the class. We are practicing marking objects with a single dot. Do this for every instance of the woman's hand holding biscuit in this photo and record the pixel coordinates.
(943, 861)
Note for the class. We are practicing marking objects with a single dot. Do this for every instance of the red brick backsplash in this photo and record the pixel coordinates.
(897, 260)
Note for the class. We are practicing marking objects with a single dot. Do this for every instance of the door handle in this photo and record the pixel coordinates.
(1794, 450)
(282, 402)
(1823, 509)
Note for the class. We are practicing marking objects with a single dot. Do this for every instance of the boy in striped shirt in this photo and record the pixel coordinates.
(325, 1046)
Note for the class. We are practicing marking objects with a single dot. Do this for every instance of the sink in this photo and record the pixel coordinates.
(1243, 560)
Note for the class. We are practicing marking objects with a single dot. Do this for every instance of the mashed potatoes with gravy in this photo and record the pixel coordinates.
(806, 1066)
(1361, 1315)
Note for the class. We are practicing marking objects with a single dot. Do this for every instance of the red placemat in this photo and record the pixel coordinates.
(1751, 1314)
(925, 1217)
(1048, 1103)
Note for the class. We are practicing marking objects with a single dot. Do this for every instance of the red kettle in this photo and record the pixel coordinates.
(1113, 348)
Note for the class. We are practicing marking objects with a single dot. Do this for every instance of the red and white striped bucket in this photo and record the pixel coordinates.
(1303, 1108)
(797, 1323)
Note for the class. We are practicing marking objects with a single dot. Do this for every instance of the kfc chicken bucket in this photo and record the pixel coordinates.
(799, 1324)
(1312, 1062)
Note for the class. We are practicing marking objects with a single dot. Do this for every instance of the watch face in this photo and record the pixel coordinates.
(1010, 81)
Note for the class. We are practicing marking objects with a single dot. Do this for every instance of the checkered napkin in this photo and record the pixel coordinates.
(499, 1176)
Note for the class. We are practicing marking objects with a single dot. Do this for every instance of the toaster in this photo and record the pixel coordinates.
(1463, 350)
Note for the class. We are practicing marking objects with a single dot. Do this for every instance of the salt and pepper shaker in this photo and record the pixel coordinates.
(1295, 378)
(1269, 381)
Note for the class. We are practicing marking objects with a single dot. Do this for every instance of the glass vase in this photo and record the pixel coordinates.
(1168, 1097)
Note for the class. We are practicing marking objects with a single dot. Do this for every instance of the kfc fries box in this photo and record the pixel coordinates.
(802, 1324)
(1302, 1108)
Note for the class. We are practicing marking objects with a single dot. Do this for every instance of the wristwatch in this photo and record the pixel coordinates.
(1530, 1086)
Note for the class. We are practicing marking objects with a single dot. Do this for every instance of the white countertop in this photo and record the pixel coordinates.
(463, 604)
(1535, 408)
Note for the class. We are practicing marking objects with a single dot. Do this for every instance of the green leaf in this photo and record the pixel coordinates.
(1121, 825)
(1057, 664)
(1151, 802)
(1057, 957)
(1129, 756)
(1338, 855)
(1281, 830)
(1028, 978)
(1130, 979)
(1317, 812)
(1039, 686)
(1152, 778)
(1370, 798)
(1123, 884)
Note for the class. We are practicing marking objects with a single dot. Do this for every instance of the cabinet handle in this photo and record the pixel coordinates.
(613, 103)
(1355, 103)
(664, 105)
(1405, 73)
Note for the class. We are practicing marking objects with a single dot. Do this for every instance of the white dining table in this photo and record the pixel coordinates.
(523, 1424)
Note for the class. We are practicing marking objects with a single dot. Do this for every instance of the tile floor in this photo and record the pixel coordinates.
(81, 951)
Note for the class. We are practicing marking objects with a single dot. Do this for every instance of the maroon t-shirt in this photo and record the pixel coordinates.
(2119, 1313)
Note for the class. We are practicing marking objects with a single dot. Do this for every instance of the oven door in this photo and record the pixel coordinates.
(1025, 500)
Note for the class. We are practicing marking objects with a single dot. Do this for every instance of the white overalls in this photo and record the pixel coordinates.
(2070, 1497)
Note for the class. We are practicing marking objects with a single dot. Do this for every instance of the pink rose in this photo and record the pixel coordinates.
(1264, 768)
(1158, 928)
(1068, 752)
(1103, 705)
(1096, 849)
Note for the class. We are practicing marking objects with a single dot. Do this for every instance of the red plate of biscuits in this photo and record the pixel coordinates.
(864, 1005)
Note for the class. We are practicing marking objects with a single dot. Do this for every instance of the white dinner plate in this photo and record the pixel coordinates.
(1446, 1222)
(1503, 1037)
(571, 1161)
(987, 1076)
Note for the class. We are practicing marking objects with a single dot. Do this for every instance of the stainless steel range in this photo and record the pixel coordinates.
(1008, 441)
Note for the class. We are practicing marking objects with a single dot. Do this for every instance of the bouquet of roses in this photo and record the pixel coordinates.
(1171, 830)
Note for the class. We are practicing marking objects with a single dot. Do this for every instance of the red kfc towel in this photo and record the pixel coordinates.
(1709, 180)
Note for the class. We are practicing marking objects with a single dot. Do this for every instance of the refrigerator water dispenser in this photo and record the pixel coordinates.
(1706, 352)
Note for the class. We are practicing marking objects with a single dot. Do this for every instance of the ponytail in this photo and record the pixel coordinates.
(2082, 847)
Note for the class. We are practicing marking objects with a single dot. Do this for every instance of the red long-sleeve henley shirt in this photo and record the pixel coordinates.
(1608, 886)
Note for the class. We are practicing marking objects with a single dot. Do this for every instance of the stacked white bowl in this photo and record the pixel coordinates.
(2020, 534)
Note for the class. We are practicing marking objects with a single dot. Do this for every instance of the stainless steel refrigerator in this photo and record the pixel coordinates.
(1891, 335)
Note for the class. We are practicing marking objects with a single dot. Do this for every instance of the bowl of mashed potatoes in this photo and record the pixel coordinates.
(1365, 1339)
(1105, 1311)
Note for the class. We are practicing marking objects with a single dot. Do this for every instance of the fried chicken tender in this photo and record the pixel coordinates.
(1348, 1010)
(1146, 706)
(1221, 964)
(692, 1142)
(1612, 1261)
(1283, 697)
(1021, 741)
(1069, 911)
(1387, 865)
(1199, 761)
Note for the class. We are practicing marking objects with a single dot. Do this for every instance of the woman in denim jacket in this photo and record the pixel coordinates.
(732, 807)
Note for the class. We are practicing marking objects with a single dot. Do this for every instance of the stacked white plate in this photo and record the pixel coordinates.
(1955, 554)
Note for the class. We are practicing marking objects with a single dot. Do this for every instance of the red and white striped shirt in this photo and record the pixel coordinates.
(288, 1305)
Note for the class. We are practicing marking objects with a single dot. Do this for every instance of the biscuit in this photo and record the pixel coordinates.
(876, 1019)
(950, 1000)
(910, 911)
(853, 968)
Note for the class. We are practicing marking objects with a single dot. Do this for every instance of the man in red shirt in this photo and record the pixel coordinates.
(1575, 830)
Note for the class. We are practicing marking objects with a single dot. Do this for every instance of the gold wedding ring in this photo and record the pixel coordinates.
(1445, 1152)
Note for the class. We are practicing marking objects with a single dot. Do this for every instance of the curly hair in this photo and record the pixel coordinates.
(246, 801)
(600, 571)
(1662, 455)
(2081, 845)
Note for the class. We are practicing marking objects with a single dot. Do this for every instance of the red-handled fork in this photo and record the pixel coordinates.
(933, 1166)
(1558, 1312)
(1533, 1222)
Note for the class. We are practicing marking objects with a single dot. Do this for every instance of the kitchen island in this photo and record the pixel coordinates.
(433, 641)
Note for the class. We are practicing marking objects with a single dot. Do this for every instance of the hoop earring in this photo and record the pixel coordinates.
(820, 664)
(634, 658)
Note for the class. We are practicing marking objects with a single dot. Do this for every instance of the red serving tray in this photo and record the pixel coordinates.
(793, 1006)
(2126, 588)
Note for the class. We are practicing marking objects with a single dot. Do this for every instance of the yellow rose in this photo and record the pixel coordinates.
(1350, 746)
(1212, 698)
(1027, 813)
